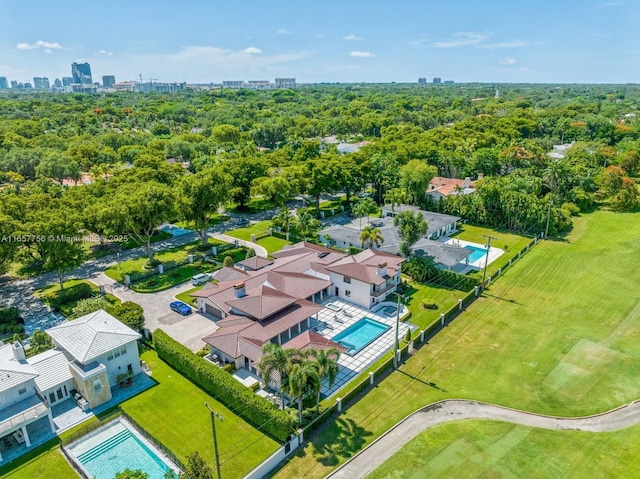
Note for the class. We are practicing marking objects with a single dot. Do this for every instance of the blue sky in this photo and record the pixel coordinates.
(561, 41)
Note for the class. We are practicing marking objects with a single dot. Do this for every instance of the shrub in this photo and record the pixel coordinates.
(128, 313)
(571, 208)
(429, 305)
(228, 262)
(229, 367)
(73, 293)
(250, 253)
(407, 337)
(89, 305)
(9, 315)
(216, 382)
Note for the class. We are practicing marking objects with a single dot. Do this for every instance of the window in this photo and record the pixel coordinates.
(346, 279)
(22, 391)
(97, 385)
(123, 350)
(110, 356)
(347, 293)
(116, 353)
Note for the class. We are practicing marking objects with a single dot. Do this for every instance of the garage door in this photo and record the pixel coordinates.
(212, 310)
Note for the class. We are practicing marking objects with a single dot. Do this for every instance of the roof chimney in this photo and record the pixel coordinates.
(18, 352)
(467, 182)
(382, 269)
(239, 290)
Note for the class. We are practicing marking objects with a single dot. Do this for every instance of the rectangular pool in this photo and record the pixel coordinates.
(113, 449)
(476, 253)
(360, 334)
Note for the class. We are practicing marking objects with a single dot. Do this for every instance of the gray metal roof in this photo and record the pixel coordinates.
(12, 371)
(444, 254)
(52, 367)
(91, 335)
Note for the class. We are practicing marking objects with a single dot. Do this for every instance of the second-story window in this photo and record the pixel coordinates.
(346, 279)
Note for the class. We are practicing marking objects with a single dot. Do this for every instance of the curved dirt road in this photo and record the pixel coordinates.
(370, 458)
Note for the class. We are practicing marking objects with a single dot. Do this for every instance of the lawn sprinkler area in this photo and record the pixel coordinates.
(342, 321)
(478, 256)
(115, 447)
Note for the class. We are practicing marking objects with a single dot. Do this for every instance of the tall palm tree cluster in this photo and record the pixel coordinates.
(301, 371)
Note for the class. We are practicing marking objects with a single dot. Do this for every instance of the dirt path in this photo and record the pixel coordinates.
(370, 458)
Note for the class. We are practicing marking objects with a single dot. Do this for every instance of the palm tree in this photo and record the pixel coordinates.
(284, 219)
(371, 235)
(303, 379)
(327, 361)
(554, 174)
(306, 223)
(397, 197)
(276, 359)
(363, 208)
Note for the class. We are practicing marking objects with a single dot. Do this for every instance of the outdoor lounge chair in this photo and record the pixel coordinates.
(347, 313)
(337, 319)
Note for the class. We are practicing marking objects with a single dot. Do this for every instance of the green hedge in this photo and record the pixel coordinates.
(242, 400)
(451, 279)
(71, 294)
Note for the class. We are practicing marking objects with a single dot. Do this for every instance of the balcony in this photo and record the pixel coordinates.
(22, 413)
(380, 290)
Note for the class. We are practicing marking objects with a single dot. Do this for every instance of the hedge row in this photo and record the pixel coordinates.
(450, 279)
(69, 295)
(248, 405)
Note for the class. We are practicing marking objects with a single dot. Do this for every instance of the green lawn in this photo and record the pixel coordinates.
(417, 294)
(556, 334)
(473, 449)
(174, 413)
(254, 228)
(44, 462)
(185, 298)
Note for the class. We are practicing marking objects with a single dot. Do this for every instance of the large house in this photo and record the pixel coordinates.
(438, 225)
(90, 352)
(278, 300)
(440, 187)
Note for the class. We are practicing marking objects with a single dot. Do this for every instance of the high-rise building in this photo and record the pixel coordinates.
(437, 81)
(66, 81)
(27, 86)
(81, 73)
(422, 81)
(41, 83)
(57, 83)
(108, 81)
(285, 82)
(4, 84)
(14, 84)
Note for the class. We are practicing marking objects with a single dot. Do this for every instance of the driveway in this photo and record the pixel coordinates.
(188, 330)
(370, 458)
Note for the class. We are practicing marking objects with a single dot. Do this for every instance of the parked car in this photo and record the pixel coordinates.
(201, 278)
(182, 308)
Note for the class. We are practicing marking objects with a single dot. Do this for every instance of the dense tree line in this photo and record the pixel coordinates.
(237, 144)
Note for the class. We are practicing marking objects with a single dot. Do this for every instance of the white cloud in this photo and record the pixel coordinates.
(357, 54)
(252, 50)
(104, 52)
(462, 39)
(39, 44)
(511, 44)
(353, 37)
(284, 31)
(508, 61)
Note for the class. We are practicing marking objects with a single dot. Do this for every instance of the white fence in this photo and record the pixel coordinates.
(275, 459)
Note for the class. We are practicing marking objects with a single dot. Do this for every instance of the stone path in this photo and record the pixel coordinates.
(260, 250)
(370, 458)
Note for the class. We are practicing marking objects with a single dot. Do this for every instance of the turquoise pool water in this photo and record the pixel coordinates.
(119, 452)
(476, 253)
(175, 230)
(360, 334)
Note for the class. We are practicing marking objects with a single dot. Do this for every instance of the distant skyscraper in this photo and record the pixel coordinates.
(285, 82)
(41, 83)
(66, 81)
(108, 81)
(27, 86)
(81, 73)
(57, 83)
(4, 84)
(422, 81)
(437, 81)
(14, 84)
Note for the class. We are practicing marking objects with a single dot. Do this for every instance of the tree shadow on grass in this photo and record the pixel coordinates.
(348, 439)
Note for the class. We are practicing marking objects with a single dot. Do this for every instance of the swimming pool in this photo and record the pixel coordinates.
(360, 334)
(476, 253)
(174, 230)
(114, 449)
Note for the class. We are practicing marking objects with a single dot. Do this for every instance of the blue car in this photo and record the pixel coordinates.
(180, 307)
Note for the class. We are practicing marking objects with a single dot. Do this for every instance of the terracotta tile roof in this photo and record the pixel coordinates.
(261, 302)
(310, 340)
(448, 186)
(230, 274)
(364, 266)
(255, 262)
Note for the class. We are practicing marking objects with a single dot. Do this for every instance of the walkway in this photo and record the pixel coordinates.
(370, 458)
(260, 250)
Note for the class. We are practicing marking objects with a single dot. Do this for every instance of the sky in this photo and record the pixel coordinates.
(516, 41)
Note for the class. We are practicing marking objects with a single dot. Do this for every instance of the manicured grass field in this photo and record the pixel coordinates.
(270, 243)
(495, 449)
(185, 298)
(557, 334)
(175, 414)
(44, 462)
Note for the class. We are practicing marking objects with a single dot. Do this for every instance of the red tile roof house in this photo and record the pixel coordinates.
(440, 187)
(278, 302)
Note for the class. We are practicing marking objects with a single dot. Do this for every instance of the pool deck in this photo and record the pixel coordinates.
(350, 366)
(494, 253)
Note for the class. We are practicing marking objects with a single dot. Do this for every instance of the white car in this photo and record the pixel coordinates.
(201, 278)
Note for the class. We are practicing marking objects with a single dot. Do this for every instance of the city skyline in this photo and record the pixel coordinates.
(541, 42)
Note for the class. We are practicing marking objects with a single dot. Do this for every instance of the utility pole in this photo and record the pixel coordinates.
(546, 230)
(396, 345)
(486, 260)
(214, 416)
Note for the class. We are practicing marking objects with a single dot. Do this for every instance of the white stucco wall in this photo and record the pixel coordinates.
(360, 291)
(118, 365)
(12, 396)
